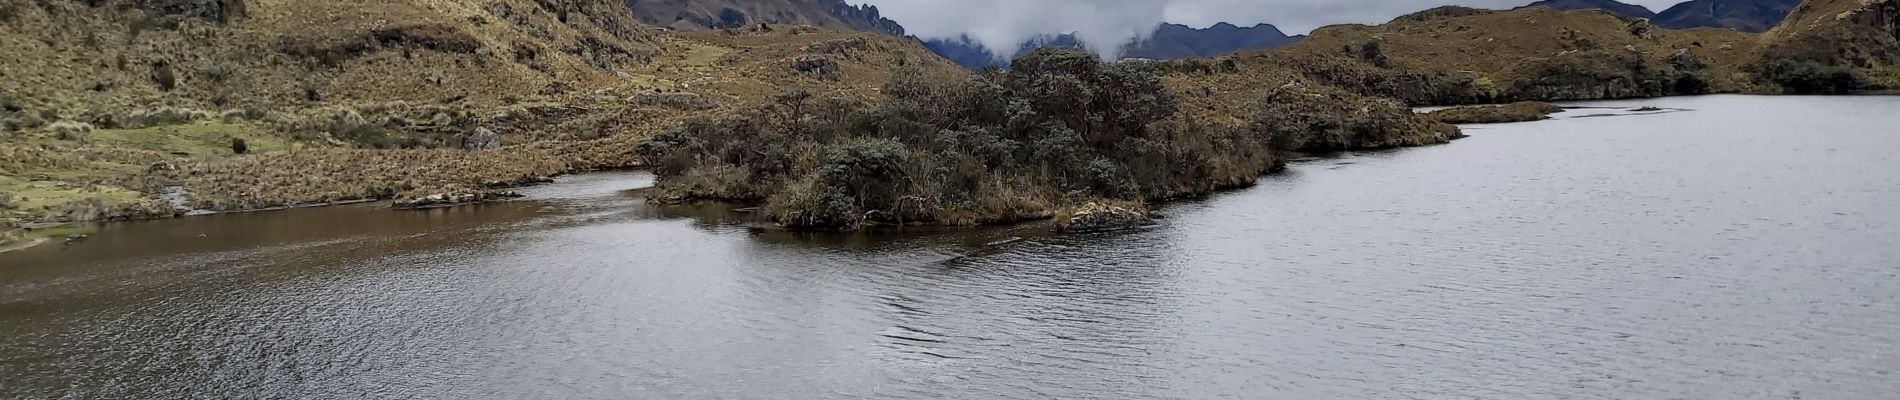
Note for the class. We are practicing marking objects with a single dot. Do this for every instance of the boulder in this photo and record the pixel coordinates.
(818, 67)
(675, 100)
(449, 197)
(483, 139)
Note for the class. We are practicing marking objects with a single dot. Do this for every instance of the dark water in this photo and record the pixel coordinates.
(1746, 249)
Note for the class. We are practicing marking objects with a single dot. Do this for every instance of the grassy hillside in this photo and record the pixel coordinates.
(1741, 15)
(135, 108)
(1613, 6)
(119, 109)
(1834, 46)
(1455, 55)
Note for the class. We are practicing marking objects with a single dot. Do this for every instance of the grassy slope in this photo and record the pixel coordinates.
(1493, 44)
(1458, 56)
(1438, 50)
(1860, 34)
(489, 60)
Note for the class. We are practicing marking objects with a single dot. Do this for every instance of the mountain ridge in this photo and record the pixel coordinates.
(720, 14)
(1741, 15)
(1612, 6)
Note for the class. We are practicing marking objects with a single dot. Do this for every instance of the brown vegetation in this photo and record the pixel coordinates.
(1453, 55)
(1059, 129)
(1496, 114)
(104, 105)
(1834, 46)
(116, 108)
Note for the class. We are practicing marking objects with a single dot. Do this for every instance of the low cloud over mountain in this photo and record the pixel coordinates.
(1106, 24)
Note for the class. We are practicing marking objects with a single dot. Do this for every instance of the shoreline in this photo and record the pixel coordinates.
(17, 246)
(1295, 158)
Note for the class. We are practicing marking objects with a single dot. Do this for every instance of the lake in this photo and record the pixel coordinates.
(1729, 247)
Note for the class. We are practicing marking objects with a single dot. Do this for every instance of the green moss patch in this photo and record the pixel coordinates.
(202, 139)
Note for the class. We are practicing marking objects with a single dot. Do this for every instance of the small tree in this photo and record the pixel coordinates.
(1373, 53)
(239, 147)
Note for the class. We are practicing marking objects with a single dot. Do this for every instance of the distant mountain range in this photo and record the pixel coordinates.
(1181, 41)
(1741, 15)
(1169, 41)
(1613, 6)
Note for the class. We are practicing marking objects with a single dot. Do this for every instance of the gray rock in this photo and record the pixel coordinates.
(818, 67)
(483, 139)
(450, 197)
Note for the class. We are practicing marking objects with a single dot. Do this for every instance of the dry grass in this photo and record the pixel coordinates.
(1481, 56)
(1493, 44)
(319, 81)
(1856, 35)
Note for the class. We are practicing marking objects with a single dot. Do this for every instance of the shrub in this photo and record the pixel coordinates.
(239, 147)
(1373, 53)
(675, 100)
(1492, 114)
(1322, 118)
(163, 76)
(159, 116)
(69, 130)
(218, 72)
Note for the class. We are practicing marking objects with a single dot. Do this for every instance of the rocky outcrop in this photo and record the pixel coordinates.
(818, 67)
(483, 139)
(450, 197)
(1100, 217)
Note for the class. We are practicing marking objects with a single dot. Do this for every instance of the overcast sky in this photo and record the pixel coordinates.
(1007, 23)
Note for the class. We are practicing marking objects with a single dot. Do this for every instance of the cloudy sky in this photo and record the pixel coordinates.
(1006, 23)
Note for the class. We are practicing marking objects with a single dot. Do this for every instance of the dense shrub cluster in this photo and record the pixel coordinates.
(1321, 118)
(1605, 74)
(1574, 75)
(1059, 128)
(1810, 77)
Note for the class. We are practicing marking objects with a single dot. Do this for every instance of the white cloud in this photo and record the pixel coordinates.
(1106, 24)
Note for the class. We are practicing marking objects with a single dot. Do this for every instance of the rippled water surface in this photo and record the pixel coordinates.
(1748, 247)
